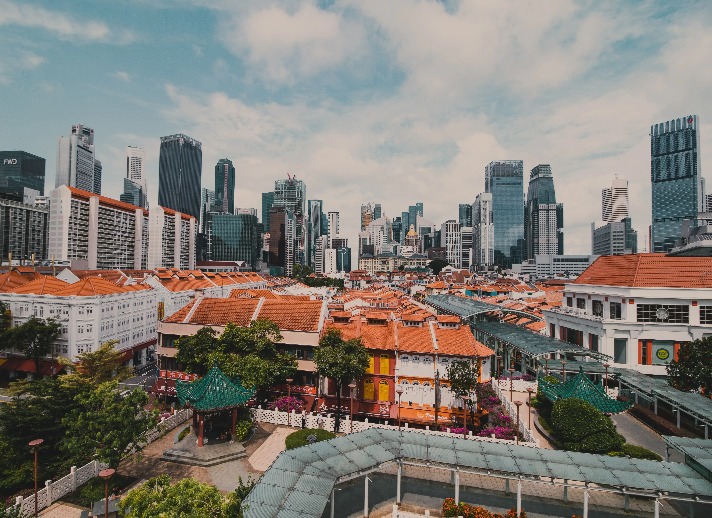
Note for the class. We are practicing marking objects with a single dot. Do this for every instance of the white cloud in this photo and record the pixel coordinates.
(122, 76)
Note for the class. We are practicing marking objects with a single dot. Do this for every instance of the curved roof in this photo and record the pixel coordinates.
(581, 387)
(466, 307)
(215, 391)
(299, 482)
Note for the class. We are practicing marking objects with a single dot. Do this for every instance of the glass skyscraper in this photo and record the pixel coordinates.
(235, 237)
(543, 217)
(675, 176)
(505, 180)
(20, 170)
(225, 186)
(179, 171)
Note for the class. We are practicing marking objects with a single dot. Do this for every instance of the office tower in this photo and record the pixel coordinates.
(179, 171)
(366, 215)
(464, 214)
(23, 231)
(451, 238)
(505, 181)
(234, 237)
(396, 227)
(314, 230)
(343, 259)
(135, 160)
(544, 218)
(291, 194)
(333, 227)
(466, 242)
(225, 186)
(281, 243)
(207, 205)
(76, 160)
(405, 225)
(614, 238)
(708, 202)
(614, 201)
(267, 201)
(97, 177)
(483, 231)
(133, 193)
(677, 192)
(413, 212)
(20, 171)
(376, 211)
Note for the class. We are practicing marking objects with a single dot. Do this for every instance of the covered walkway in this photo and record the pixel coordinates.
(467, 309)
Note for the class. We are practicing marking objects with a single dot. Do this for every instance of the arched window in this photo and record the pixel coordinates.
(384, 365)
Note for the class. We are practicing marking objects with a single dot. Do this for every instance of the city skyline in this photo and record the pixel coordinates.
(360, 108)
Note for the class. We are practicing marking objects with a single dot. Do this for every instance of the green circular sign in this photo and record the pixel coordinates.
(662, 354)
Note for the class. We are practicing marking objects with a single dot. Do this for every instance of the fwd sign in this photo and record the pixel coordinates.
(9, 161)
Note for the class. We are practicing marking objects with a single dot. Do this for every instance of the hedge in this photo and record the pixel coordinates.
(579, 426)
(307, 436)
(636, 452)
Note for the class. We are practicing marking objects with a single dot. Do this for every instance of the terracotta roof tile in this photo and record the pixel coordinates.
(90, 287)
(217, 312)
(293, 315)
(378, 337)
(11, 280)
(43, 286)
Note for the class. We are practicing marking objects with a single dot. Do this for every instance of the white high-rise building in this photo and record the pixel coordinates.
(333, 226)
(482, 231)
(135, 160)
(466, 240)
(614, 201)
(76, 160)
(452, 242)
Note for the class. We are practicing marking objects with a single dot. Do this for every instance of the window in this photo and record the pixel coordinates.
(593, 342)
(705, 314)
(643, 352)
(668, 313)
(368, 389)
(620, 350)
(570, 302)
(615, 311)
(581, 303)
(384, 364)
(370, 364)
(383, 391)
(597, 308)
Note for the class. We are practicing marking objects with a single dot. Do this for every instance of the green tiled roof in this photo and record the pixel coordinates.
(213, 392)
(581, 387)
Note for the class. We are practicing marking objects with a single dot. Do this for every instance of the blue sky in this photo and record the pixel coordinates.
(393, 102)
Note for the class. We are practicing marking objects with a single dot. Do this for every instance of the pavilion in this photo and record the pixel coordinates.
(581, 387)
(213, 393)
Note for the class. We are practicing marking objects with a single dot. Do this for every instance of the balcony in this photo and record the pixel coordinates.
(576, 312)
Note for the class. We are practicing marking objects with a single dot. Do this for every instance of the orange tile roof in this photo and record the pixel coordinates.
(92, 286)
(649, 271)
(79, 193)
(376, 315)
(453, 319)
(11, 280)
(217, 312)
(186, 284)
(251, 294)
(379, 337)
(43, 286)
(292, 315)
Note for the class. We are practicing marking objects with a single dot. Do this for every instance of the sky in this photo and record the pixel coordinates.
(391, 102)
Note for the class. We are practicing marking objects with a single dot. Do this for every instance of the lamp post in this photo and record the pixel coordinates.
(518, 403)
(511, 382)
(399, 391)
(106, 474)
(465, 399)
(563, 369)
(289, 399)
(530, 390)
(34, 446)
(352, 390)
(605, 366)
(546, 365)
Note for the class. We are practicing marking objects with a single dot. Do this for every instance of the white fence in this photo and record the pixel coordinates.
(312, 420)
(517, 385)
(168, 424)
(512, 409)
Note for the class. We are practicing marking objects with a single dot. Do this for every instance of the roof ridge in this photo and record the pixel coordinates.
(258, 308)
(190, 313)
(432, 335)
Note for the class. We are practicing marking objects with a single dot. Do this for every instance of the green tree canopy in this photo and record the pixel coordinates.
(436, 265)
(579, 426)
(300, 272)
(157, 498)
(106, 423)
(463, 377)
(341, 360)
(104, 364)
(194, 351)
(5, 321)
(35, 338)
(693, 368)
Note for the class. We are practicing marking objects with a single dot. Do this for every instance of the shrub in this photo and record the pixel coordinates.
(636, 452)
(287, 404)
(185, 431)
(243, 426)
(450, 509)
(579, 426)
(307, 436)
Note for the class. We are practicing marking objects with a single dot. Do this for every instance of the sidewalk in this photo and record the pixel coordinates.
(266, 454)
(524, 416)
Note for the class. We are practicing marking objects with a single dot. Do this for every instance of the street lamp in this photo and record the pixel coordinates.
(399, 391)
(530, 390)
(34, 446)
(563, 369)
(465, 399)
(546, 365)
(518, 403)
(511, 382)
(289, 400)
(106, 474)
(605, 366)
(352, 390)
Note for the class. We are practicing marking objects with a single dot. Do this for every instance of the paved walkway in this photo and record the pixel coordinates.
(225, 476)
(635, 432)
(61, 510)
(266, 454)
(524, 416)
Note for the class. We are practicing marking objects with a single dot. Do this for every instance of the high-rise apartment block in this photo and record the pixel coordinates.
(76, 161)
(23, 231)
(483, 231)
(225, 186)
(677, 191)
(179, 173)
(466, 247)
(21, 171)
(452, 241)
(333, 217)
(505, 181)
(543, 217)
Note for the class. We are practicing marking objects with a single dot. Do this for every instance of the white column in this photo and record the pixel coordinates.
(398, 482)
(566, 491)
(585, 503)
(457, 487)
(678, 412)
(519, 496)
(656, 512)
(365, 496)
(333, 492)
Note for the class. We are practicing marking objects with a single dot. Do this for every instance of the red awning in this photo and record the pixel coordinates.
(308, 402)
(47, 368)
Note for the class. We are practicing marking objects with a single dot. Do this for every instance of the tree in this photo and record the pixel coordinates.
(693, 368)
(341, 360)
(10, 511)
(5, 320)
(106, 423)
(436, 265)
(580, 426)
(104, 364)
(300, 272)
(463, 377)
(35, 338)
(194, 351)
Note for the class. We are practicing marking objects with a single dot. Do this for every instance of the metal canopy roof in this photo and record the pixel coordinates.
(530, 343)
(697, 450)
(300, 481)
(467, 308)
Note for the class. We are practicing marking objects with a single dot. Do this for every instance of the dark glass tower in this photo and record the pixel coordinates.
(464, 211)
(20, 170)
(505, 180)
(225, 186)
(235, 237)
(675, 176)
(543, 217)
(179, 171)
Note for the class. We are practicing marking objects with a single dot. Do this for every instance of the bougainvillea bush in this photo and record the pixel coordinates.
(451, 509)
(499, 432)
(287, 404)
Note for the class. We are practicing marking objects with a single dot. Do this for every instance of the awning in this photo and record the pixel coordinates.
(47, 367)
(308, 401)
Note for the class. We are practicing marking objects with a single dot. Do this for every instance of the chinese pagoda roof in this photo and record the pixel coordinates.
(213, 392)
(581, 387)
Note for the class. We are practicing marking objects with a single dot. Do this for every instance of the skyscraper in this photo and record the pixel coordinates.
(135, 159)
(234, 237)
(20, 170)
(614, 201)
(676, 181)
(291, 194)
(225, 186)
(76, 160)
(179, 171)
(413, 212)
(616, 236)
(505, 181)
(452, 242)
(316, 213)
(333, 227)
(465, 214)
(544, 218)
(133, 193)
(482, 231)
(267, 201)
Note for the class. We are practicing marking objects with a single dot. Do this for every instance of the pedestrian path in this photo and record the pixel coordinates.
(266, 454)
(61, 510)
(226, 475)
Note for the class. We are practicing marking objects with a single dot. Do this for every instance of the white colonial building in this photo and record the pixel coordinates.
(639, 309)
